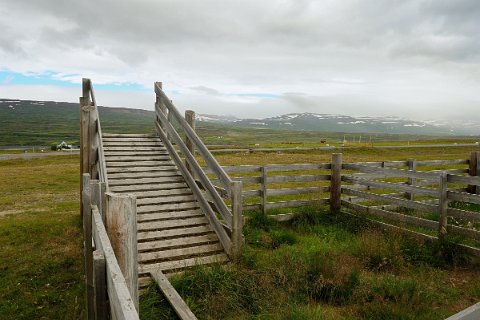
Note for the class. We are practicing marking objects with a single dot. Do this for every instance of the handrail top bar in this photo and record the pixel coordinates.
(203, 150)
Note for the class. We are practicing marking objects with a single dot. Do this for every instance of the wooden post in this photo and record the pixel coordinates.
(264, 189)
(190, 119)
(121, 221)
(336, 183)
(412, 166)
(87, 244)
(169, 118)
(161, 105)
(474, 170)
(84, 156)
(237, 218)
(442, 206)
(100, 285)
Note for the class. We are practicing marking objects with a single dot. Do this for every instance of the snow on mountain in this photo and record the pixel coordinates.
(351, 124)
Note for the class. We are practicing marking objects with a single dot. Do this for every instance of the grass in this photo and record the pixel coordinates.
(324, 267)
(315, 267)
(41, 260)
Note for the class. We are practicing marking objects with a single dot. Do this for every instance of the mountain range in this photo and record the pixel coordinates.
(350, 124)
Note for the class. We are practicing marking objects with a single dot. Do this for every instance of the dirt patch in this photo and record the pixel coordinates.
(9, 212)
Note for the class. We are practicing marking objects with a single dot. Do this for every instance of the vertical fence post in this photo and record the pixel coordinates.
(264, 189)
(237, 218)
(336, 183)
(84, 155)
(190, 118)
(87, 244)
(121, 221)
(160, 104)
(442, 206)
(474, 170)
(412, 166)
(99, 282)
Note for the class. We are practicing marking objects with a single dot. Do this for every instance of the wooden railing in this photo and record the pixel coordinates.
(111, 282)
(428, 199)
(226, 222)
(92, 156)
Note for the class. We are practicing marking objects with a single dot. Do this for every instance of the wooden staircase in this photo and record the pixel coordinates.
(173, 231)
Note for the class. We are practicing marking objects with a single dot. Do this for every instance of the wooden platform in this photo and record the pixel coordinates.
(173, 232)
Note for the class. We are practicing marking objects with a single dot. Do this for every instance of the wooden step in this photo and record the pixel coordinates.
(176, 254)
(177, 242)
(156, 216)
(158, 235)
(161, 193)
(184, 263)
(167, 207)
(131, 182)
(165, 199)
(136, 158)
(131, 135)
(165, 167)
(138, 164)
(130, 139)
(133, 144)
(132, 149)
(131, 153)
(138, 175)
(170, 224)
(148, 187)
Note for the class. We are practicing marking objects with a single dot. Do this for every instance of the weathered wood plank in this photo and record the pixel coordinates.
(167, 207)
(161, 193)
(295, 203)
(463, 214)
(395, 216)
(129, 135)
(132, 182)
(180, 307)
(171, 233)
(472, 180)
(185, 263)
(169, 215)
(138, 164)
(336, 183)
(100, 284)
(302, 178)
(130, 159)
(392, 172)
(471, 313)
(164, 167)
(130, 153)
(149, 187)
(121, 302)
(134, 149)
(287, 191)
(122, 231)
(166, 199)
(134, 144)
(392, 186)
(177, 242)
(441, 162)
(169, 224)
(138, 175)
(176, 254)
(463, 196)
(391, 200)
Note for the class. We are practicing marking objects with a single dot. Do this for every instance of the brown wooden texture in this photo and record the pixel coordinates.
(336, 183)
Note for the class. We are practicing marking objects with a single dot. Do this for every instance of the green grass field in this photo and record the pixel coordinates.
(316, 267)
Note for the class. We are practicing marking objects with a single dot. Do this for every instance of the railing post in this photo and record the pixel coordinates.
(190, 118)
(87, 244)
(160, 104)
(121, 221)
(442, 206)
(237, 218)
(336, 183)
(412, 166)
(474, 170)
(264, 189)
(100, 285)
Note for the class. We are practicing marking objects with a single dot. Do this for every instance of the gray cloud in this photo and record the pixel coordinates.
(404, 58)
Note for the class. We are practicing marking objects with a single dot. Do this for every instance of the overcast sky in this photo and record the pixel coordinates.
(411, 58)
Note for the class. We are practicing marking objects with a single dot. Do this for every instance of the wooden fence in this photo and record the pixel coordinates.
(226, 221)
(439, 197)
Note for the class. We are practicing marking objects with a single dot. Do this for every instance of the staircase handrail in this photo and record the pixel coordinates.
(96, 161)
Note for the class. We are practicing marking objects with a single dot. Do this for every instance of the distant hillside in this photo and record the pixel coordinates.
(24, 122)
(349, 124)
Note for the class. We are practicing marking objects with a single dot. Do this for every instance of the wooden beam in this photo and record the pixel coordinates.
(100, 285)
(442, 207)
(87, 244)
(336, 183)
